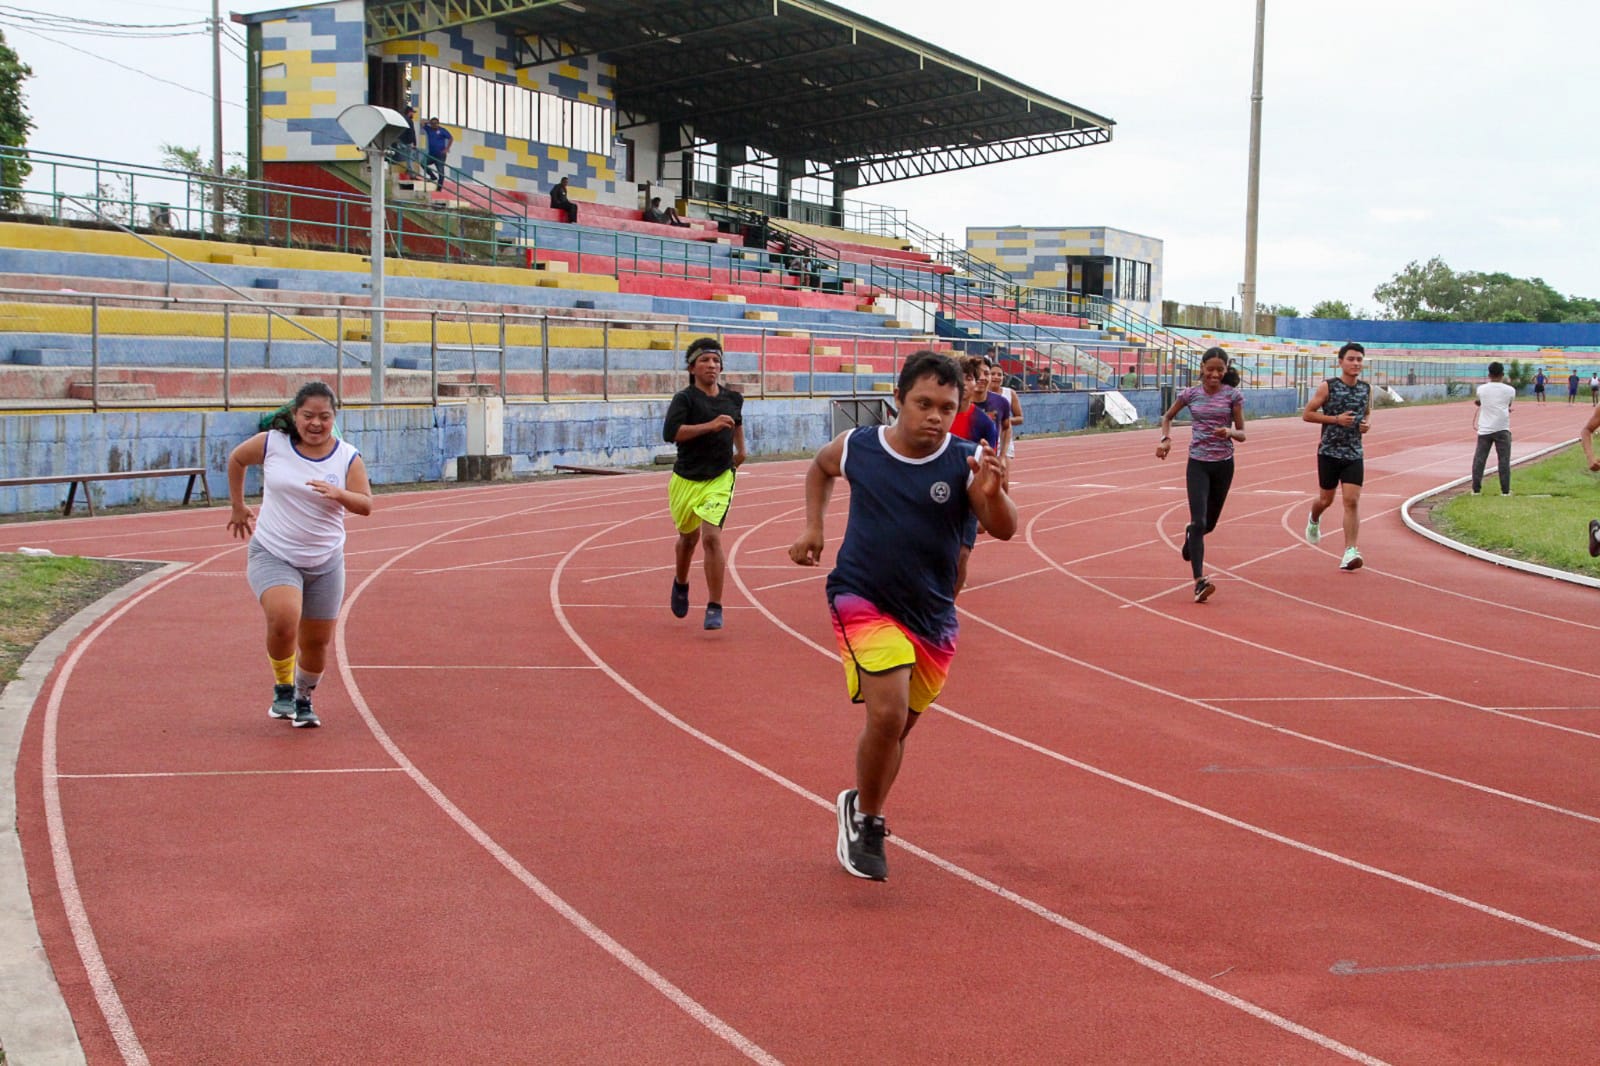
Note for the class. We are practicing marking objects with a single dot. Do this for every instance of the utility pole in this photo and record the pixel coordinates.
(1247, 291)
(216, 118)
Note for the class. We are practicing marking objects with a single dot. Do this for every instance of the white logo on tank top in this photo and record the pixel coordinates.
(940, 491)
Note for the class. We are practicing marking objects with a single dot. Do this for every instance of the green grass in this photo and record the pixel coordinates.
(1545, 520)
(39, 593)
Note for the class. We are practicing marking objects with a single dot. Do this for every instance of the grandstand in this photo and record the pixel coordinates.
(123, 287)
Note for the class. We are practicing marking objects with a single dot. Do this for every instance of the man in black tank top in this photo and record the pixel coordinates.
(1342, 406)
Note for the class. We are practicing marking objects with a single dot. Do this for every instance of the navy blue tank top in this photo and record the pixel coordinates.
(904, 532)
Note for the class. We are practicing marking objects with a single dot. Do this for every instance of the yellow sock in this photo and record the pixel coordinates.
(282, 670)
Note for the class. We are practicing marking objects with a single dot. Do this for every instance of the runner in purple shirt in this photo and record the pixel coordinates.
(1216, 407)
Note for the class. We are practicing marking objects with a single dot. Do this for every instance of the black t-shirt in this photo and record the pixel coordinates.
(708, 455)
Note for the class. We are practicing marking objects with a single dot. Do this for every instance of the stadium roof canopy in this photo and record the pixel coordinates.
(791, 79)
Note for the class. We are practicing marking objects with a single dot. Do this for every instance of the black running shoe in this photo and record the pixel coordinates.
(860, 847)
(1184, 551)
(282, 701)
(1594, 538)
(304, 716)
(1203, 590)
(680, 600)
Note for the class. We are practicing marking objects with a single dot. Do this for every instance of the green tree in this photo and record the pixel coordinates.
(1333, 309)
(15, 122)
(235, 194)
(1422, 292)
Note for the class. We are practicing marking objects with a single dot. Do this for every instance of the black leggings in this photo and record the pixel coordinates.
(1209, 482)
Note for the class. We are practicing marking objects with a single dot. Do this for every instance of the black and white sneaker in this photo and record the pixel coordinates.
(304, 716)
(282, 702)
(1203, 590)
(860, 846)
(1184, 551)
(1594, 538)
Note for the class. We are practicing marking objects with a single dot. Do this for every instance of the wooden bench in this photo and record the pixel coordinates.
(193, 473)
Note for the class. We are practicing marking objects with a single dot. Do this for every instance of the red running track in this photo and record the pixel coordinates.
(1324, 816)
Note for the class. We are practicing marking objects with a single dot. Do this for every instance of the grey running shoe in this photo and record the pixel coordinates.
(1313, 531)
(1352, 559)
(713, 616)
(282, 702)
(304, 716)
(860, 847)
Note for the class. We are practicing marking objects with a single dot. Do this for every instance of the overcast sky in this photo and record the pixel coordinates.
(1392, 130)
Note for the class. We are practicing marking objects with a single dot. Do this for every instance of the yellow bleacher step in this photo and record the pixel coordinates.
(855, 368)
(551, 266)
(826, 349)
(792, 333)
(241, 259)
(138, 322)
(761, 316)
(728, 298)
(895, 323)
(883, 386)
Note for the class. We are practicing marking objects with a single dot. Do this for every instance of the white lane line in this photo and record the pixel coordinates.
(599, 937)
(457, 666)
(1207, 812)
(94, 963)
(1348, 968)
(227, 773)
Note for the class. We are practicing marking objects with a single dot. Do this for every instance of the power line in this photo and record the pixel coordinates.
(65, 21)
(124, 66)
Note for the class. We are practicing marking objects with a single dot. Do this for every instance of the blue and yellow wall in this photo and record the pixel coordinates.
(1053, 257)
(314, 64)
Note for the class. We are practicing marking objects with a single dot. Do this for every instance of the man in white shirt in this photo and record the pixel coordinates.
(1494, 427)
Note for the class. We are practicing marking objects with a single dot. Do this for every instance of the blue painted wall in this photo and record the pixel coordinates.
(1551, 334)
(418, 444)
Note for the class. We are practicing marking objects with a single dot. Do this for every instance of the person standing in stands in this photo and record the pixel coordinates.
(1343, 407)
(665, 217)
(892, 589)
(295, 562)
(1216, 411)
(1493, 418)
(439, 142)
(561, 201)
(706, 421)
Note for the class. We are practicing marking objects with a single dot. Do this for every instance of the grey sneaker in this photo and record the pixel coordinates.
(713, 616)
(1352, 559)
(304, 716)
(282, 702)
(860, 847)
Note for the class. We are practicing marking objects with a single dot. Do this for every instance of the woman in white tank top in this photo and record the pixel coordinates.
(309, 479)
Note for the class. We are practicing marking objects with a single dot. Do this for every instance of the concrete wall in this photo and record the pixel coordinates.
(407, 444)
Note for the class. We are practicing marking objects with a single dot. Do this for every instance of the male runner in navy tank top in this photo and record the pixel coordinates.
(1343, 407)
(892, 589)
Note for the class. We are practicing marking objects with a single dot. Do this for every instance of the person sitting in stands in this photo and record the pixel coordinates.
(667, 217)
(562, 202)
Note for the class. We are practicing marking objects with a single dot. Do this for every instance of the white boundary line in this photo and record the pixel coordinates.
(1478, 553)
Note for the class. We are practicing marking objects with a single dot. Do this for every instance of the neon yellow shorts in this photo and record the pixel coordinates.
(693, 502)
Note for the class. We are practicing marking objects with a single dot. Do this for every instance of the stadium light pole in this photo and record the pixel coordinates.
(216, 117)
(1247, 291)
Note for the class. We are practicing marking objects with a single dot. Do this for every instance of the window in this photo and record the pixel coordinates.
(463, 100)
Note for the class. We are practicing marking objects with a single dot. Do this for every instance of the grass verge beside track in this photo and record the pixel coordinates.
(1545, 520)
(38, 593)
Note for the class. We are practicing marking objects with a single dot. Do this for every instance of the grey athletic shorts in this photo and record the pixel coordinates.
(321, 591)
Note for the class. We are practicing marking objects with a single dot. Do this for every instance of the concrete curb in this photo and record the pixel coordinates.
(1479, 553)
(35, 1027)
